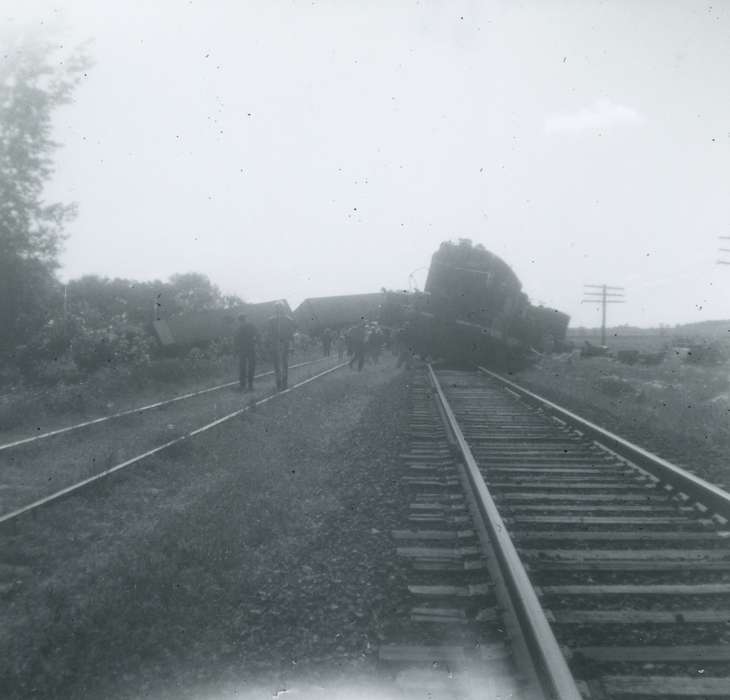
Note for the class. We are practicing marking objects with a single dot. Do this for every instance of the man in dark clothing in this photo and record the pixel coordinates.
(374, 344)
(280, 331)
(403, 342)
(357, 344)
(327, 342)
(245, 345)
(348, 341)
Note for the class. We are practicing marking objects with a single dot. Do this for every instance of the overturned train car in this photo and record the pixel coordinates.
(202, 327)
(473, 311)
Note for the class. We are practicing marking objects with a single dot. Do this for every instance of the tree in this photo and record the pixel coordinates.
(98, 299)
(191, 291)
(33, 83)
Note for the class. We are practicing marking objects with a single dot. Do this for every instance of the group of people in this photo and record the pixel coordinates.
(280, 329)
(362, 342)
(330, 338)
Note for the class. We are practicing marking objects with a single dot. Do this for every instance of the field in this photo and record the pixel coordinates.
(656, 339)
(617, 341)
(679, 410)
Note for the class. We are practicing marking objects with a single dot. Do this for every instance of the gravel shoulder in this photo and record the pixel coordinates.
(255, 556)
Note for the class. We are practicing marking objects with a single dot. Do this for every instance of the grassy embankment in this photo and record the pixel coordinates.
(679, 410)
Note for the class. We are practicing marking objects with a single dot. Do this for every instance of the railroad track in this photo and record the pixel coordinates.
(36, 437)
(553, 559)
(451, 639)
(54, 495)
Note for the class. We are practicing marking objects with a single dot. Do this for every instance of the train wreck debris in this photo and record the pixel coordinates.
(473, 310)
(204, 326)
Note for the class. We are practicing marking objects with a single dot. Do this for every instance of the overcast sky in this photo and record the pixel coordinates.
(295, 149)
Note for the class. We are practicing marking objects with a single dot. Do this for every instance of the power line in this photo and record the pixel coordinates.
(603, 297)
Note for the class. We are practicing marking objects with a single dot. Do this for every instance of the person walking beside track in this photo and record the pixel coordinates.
(341, 346)
(245, 344)
(279, 332)
(374, 343)
(357, 336)
(326, 342)
(348, 340)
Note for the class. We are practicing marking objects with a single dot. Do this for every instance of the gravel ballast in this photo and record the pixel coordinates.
(256, 555)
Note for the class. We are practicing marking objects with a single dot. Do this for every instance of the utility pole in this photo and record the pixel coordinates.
(724, 250)
(603, 297)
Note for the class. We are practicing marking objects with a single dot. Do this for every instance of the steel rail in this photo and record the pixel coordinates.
(551, 666)
(134, 460)
(139, 409)
(697, 488)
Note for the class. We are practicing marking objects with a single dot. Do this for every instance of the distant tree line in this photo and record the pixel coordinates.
(89, 322)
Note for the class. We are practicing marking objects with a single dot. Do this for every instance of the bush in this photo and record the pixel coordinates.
(611, 385)
(118, 343)
(165, 370)
(221, 347)
(196, 356)
(707, 354)
(59, 370)
(68, 350)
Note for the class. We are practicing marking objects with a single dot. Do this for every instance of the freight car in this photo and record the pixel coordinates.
(315, 314)
(202, 327)
(542, 328)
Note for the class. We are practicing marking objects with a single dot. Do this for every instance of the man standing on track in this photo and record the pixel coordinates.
(245, 344)
(280, 331)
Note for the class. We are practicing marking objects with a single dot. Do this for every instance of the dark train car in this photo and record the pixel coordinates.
(475, 312)
(315, 314)
(203, 327)
(469, 283)
(546, 328)
(437, 334)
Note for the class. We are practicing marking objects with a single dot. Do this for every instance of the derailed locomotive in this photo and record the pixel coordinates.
(473, 310)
